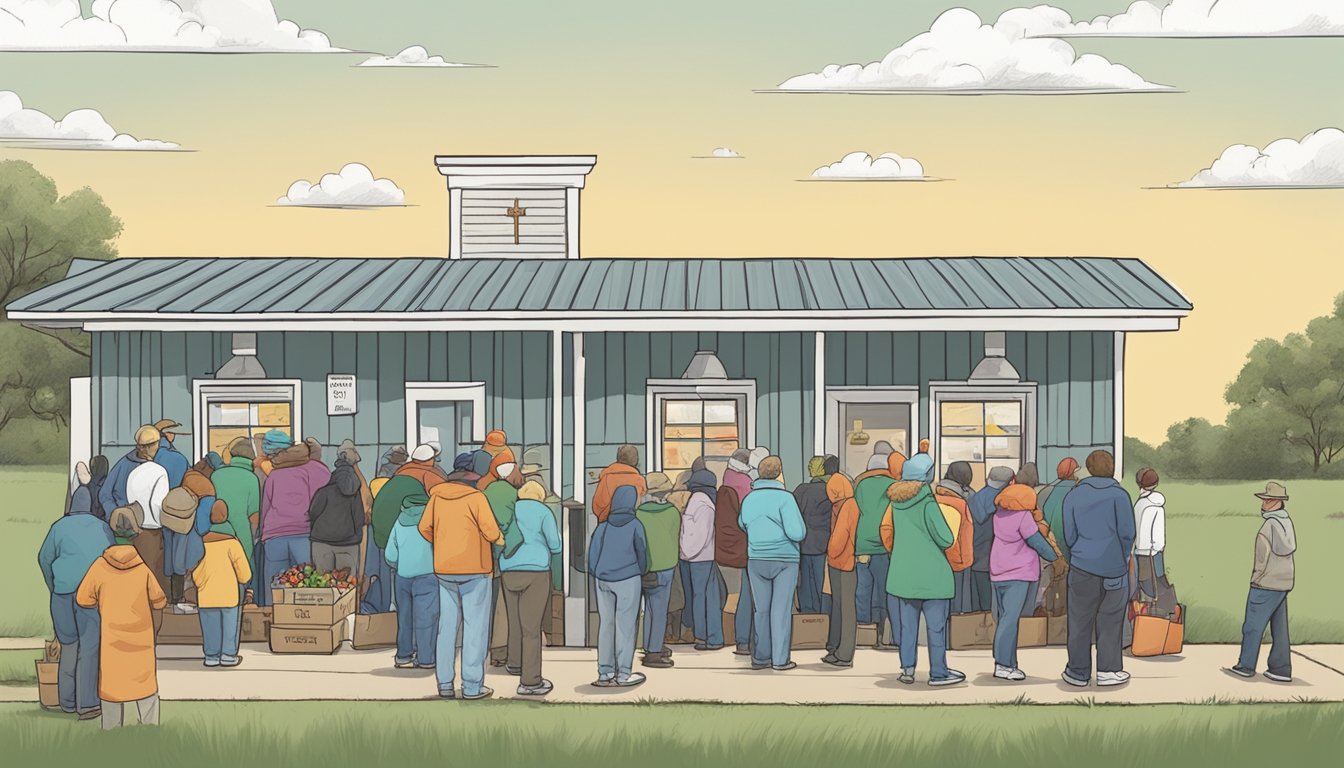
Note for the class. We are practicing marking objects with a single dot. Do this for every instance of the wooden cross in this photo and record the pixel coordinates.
(515, 213)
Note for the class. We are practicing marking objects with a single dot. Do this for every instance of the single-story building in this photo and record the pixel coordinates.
(994, 360)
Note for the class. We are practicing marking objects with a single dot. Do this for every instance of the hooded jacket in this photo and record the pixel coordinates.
(502, 497)
(1019, 542)
(738, 477)
(844, 523)
(125, 592)
(172, 461)
(662, 532)
(773, 523)
(112, 493)
(337, 511)
(961, 555)
(290, 487)
(222, 568)
(236, 485)
(1150, 524)
(981, 504)
(538, 536)
(816, 510)
(407, 551)
(697, 522)
(492, 474)
(388, 504)
(425, 472)
(730, 541)
(1099, 527)
(459, 524)
(1275, 544)
(619, 549)
(73, 543)
(919, 535)
(870, 493)
(1052, 511)
(97, 476)
(613, 477)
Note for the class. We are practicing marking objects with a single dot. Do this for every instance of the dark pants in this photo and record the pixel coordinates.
(811, 580)
(1010, 605)
(418, 619)
(527, 596)
(974, 591)
(657, 588)
(148, 545)
(871, 596)
(328, 557)
(78, 631)
(378, 598)
(844, 621)
(1264, 608)
(1095, 611)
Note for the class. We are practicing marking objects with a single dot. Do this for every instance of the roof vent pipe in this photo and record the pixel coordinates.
(705, 365)
(244, 363)
(995, 365)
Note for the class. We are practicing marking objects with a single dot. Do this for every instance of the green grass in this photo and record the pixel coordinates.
(16, 667)
(522, 734)
(1210, 542)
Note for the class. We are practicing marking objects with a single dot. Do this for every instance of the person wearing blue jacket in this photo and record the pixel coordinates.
(618, 557)
(774, 527)
(526, 576)
(72, 545)
(1099, 530)
(417, 589)
(168, 457)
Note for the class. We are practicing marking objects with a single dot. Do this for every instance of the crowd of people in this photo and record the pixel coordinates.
(450, 548)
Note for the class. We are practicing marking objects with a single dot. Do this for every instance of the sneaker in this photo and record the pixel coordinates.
(657, 661)
(183, 609)
(953, 677)
(785, 667)
(484, 693)
(742, 650)
(1009, 673)
(399, 664)
(707, 647)
(212, 662)
(426, 666)
(829, 658)
(541, 689)
(1278, 678)
(1071, 680)
(907, 677)
(515, 671)
(757, 666)
(839, 663)
(1242, 672)
(1112, 678)
(230, 661)
(446, 693)
(91, 714)
(604, 682)
(631, 680)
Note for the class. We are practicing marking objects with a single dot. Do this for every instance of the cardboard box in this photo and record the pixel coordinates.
(311, 640)
(1032, 632)
(47, 693)
(311, 607)
(47, 672)
(256, 625)
(375, 630)
(810, 631)
(1057, 630)
(179, 629)
(555, 629)
(971, 630)
(730, 620)
(865, 636)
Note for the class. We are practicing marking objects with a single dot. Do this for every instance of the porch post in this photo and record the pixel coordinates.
(1118, 396)
(819, 394)
(557, 411)
(576, 595)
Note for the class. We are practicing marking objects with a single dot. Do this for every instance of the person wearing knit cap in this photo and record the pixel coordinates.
(496, 442)
(816, 509)
(500, 485)
(1051, 501)
(872, 559)
(981, 596)
(662, 531)
(841, 637)
(758, 454)
(624, 471)
(704, 596)
(730, 544)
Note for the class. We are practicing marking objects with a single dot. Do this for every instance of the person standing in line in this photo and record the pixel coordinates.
(662, 532)
(1014, 567)
(774, 527)
(98, 469)
(526, 573)
(1150, 542)
(417, 589)
(75, 542)
(872, 559)
(1272, 578)
(624, 471)
(618, 558)
(841, 636)
(954, 490)
(730, 545)
(980, 597)
(1052, 502)
(816, 508)
(236, 486)
(222, 571)
(147, 485)
(500, 485)
(704, 598)
(285, 500)
(336, 520)
(1099, 529)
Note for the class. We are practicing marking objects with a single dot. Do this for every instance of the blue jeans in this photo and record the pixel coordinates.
(464, 601)
(281, 553)
(704, 601)
(772, 586)
(894, 616)
(418, 619)
(219, 632)
(936, 614)
(78, 631)
(870, 595)
(656, 600)
(811, 580)
(617, 613)
(174, 552)
(378, 598)
(743, 619)
(1266, 608)
(1010, 605)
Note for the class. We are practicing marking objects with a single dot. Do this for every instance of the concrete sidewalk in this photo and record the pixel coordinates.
(1195, 677)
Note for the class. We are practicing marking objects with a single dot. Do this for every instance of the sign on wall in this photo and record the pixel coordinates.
(341, 394)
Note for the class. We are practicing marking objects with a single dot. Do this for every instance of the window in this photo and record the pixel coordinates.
(985, 427)
(693, 429)
(860, 417)
(226, 411)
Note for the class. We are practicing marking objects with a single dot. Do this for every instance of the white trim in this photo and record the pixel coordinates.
(81, 421)
(572, 223)
(835, 396)
(557, 412)
(454, 223)
(819, 414)
(576, 595)
(580, 400)
(1118, 402)
(658, 390)
(418, 392)
(1024, 392)
(257, 390)
(515, 181)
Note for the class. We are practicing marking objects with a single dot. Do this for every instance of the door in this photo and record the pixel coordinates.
(860, 418)
(446, 425)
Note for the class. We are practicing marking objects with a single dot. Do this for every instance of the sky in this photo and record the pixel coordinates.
(648, 86)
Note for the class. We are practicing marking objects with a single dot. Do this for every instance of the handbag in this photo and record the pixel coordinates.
(1156, 635)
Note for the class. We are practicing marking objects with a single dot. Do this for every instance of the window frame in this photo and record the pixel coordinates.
(838, 397)
(417, 392)
(659, 390)
(206, 391)
(1025, 393)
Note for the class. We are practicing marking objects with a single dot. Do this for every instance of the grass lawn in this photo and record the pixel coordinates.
(524, 734)
(1210, 543)
(16, 667)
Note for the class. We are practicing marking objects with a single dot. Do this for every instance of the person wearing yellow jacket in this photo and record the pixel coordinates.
(219, 577)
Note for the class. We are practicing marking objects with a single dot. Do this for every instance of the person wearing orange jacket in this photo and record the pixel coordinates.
(625, 471)
(840, 638)
(955, 491)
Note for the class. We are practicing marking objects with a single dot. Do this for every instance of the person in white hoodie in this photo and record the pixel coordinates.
(1150, 542)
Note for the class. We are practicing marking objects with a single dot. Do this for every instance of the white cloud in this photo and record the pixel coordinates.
(725, 152)
(1213, 18)
(353, 187)
(861, 166)
(1315, 161)
(239, 26)
(80, 129)
(960, 55)
(414, 56)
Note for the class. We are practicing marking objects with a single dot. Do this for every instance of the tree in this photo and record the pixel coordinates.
(40, 232)
(1299, 383)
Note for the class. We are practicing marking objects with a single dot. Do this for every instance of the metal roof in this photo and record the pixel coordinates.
(348, 288)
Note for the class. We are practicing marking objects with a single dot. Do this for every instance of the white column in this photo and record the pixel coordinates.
(1118, 376)
(819, 394)
(454, 223)
(557, 411)
(571, 222)
(576, 599)
(81, 422)
(580, 403)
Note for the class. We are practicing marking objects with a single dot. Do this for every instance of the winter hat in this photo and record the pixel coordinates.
(882, 448)
(422, 452)
(816, 467)
(495, 442)
(658, 484)
(1146, 478)
(683, 482)
(698, 464)
(214, 460)
(1018, 497)
(918, 468)
(960, 473)
(740, 459)
(877, 462)
(1028, 475)
(999, 477)
(830, 465)
(758, 455)
(397, 455)
(463, 462)
(1066, 469)
(275, 441)
(496, 471)
(532, 490)
(178, 512)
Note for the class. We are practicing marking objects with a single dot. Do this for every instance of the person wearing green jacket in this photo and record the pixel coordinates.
(871, 559)
(920, 577)
(236, 485)
(662, 527)
(1052, 502)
